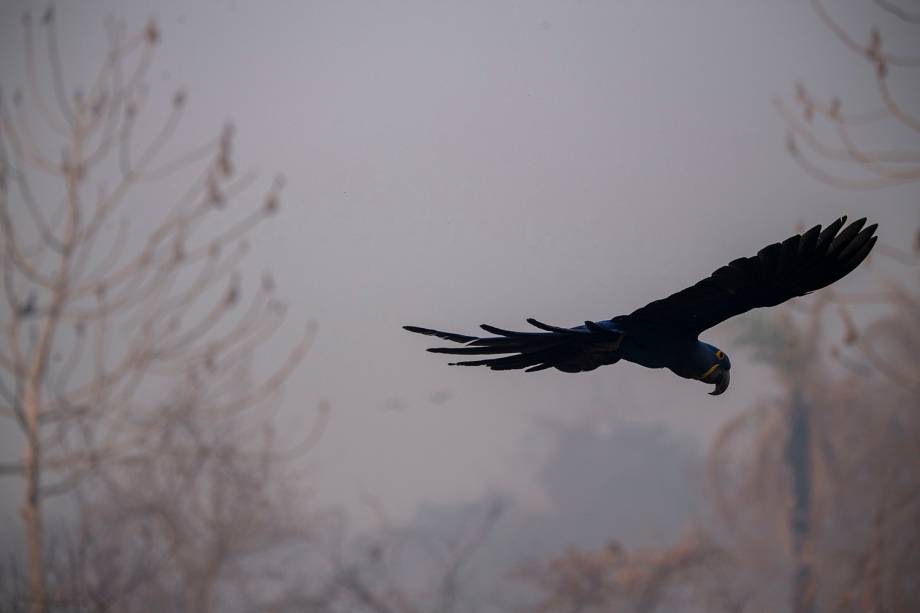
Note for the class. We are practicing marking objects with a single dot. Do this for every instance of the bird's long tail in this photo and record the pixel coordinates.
(568, 349)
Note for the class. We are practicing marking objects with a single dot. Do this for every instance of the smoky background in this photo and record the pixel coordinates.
(448, 165)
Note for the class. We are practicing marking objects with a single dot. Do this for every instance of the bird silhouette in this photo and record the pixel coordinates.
(664, 333)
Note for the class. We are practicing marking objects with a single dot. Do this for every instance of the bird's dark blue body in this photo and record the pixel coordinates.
(657, 346)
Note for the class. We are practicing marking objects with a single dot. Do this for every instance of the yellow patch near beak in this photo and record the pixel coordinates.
(703, 376)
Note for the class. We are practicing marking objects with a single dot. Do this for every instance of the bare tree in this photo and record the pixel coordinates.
(877, 168)
(838, 141)
(102, 317)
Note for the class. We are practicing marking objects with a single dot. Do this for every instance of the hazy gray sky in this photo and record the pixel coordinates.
(456, 163)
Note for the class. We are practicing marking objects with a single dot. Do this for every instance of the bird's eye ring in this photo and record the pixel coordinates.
(719, 355)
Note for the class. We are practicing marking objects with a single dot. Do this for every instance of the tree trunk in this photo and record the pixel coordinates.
(31, 508)
(798, 455)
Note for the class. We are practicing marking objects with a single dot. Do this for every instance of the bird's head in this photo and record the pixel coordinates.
(717, 372)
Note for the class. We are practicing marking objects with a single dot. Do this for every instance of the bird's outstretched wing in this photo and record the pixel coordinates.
(800, 264)
(567, 349)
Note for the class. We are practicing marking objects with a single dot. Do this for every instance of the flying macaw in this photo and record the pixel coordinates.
(664, 333)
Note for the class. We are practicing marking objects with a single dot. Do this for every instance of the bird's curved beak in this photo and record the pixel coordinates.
(720, 378)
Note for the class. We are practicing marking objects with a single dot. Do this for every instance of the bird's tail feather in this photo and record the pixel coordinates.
(554, 347)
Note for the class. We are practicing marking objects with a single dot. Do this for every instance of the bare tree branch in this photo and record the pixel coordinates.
(98, 324)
